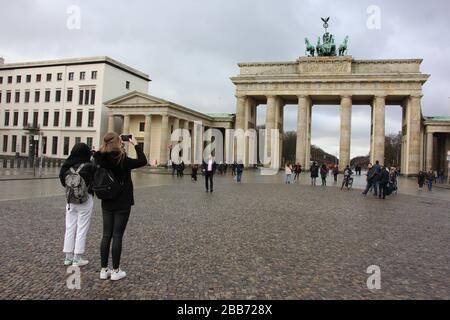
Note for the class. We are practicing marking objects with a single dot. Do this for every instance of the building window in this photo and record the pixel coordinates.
(58, 96)
(59, 76)
(9, 79)
(14, 144)
(27, 96)
(127, 85)
(94, 75)
(25, 118)
(70, 76)
(91, 118)
(5, 143)
(66, 145)
(55, 145)
(16, 118)
(80, 98)
(28, 77)
(79, 118)
(56, 119)
(86, 97)
(92, 96)
(18, 79)
(89, 142)
(17, 97)
(35, 119)
(82, 75)
(77, 140)
(69, 95)
(1, 80)
(24, 144)
(47, 96)
(68, 116)
(8, 96)
(141, 126)
(37, 96)
(45, 121)
(44, 145)
(6, 118)
(38, 78)
(49, 77)
(0, 97)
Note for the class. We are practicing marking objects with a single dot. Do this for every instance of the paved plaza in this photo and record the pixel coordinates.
(251, 241)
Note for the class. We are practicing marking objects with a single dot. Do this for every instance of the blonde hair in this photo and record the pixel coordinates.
(113, 143)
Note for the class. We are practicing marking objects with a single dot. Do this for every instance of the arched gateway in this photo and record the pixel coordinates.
(342, 80)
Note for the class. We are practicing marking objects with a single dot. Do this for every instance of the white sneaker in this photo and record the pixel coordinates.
(79, 263)
(105, 274)
(117, 275)
(68, 262)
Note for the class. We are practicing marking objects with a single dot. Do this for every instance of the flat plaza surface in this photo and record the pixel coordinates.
(250, 241)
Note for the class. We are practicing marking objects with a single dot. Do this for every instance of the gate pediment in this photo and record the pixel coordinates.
(325, 65)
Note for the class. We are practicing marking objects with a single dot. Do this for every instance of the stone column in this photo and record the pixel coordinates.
(126, 124)
(378, 128)
(126, 128)
(302, 129)
(163, 155)
(147, 136)
(345, 140)
(270, 124)
(186, 138)
(413, 135)
(111, 127)
(308, 139)
(240, 112)
(429, 154)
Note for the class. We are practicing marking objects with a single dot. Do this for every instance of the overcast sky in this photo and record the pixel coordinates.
(190, 48)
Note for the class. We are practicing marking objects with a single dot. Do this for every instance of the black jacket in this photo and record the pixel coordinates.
(122, 171)
(384, 176)
(314, 171)
(205, 167)
(80, 154)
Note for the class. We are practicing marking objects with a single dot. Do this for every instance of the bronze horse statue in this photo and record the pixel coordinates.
(309, 48)
(343, 47)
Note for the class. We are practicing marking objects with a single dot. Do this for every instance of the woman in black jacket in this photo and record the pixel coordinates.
(116, 211)
(78, 213)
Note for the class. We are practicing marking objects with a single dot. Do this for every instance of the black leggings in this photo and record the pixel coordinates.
(114, 224)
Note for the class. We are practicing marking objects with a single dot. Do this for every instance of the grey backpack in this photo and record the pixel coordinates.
(76, 189)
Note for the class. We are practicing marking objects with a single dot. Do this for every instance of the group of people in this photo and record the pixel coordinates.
(105, 172)
(178, 168)
(428, 177)
(381, 179)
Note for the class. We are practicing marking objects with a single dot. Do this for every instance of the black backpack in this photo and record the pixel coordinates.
(105, 185)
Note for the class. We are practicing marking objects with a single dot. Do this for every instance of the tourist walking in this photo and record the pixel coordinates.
(421, 179)
(376, 176)
(430, 179)
(194, 172)
(116, 208)
(383, 182)
(239, 171)
(297, 171)
(370, 178)
(76, 176)
(288, 173)
(209, 168)
(314, 173)
(233, 168)
(323, 174)
(335, 172)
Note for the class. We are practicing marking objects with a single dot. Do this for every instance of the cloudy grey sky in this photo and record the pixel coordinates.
(190, 48)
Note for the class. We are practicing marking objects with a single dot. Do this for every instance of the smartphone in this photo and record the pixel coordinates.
(126, 137)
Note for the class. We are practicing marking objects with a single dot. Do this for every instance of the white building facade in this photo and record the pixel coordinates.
(61, 101)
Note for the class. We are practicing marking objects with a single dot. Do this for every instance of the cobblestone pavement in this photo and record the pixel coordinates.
(249, 241)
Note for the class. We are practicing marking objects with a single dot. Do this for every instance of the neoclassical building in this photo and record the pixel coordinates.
(152, 121)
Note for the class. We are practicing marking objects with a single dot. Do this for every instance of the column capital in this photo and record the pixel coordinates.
(379, 96)
(240, 95)
(346, 96)
(416, 96)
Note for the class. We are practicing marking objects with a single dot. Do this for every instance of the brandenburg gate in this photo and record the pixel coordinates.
(328, 79)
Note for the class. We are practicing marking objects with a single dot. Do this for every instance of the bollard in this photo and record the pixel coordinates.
(11, 163)
(5, 163)
(19, 163)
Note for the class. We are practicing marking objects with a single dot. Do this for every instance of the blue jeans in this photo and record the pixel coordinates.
(238, 176)
(430, 184)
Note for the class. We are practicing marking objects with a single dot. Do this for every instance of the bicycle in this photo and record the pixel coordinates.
(347, 182)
